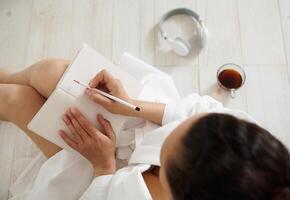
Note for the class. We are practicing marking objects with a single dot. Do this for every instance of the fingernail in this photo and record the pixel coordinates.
(67, 112)
(73, 110)
(101, 117)
(65, 119)
(104, 119)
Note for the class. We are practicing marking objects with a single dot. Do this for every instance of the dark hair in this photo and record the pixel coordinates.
(222, 157)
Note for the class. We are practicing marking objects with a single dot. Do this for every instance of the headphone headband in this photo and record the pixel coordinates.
(184, 11)
(179, 45)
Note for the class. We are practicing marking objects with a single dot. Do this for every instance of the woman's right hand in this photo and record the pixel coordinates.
(106, 82)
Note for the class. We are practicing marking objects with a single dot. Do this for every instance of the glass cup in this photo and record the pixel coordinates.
(231, 77)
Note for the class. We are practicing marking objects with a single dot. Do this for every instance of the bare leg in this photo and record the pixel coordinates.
(18, 104)
(42, 76)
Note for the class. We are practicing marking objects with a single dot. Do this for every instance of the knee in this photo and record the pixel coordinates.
(55, 63)
(52, 67)
(6, 93)
(16, 97)
(46, 75)
(23, 95)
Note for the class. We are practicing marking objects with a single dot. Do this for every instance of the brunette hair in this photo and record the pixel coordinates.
(222, 157)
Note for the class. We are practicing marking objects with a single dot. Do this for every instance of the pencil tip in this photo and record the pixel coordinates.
(137, 108)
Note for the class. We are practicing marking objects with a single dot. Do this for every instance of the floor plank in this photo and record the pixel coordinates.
(261, 34)
(50, 30)
(83, 13)
(284, 6)
(184, 77)
(8, 133)
(224, 46)
(269, 99)
(102, 27)
(15, 16)
(126, 28)
(24, 146)
(147, 31)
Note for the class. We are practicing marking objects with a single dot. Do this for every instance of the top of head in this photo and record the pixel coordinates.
(180, 46)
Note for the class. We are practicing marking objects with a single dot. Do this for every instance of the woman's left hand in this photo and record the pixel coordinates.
(98, 147)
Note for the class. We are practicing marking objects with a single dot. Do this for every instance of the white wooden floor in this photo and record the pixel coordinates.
(252, 33)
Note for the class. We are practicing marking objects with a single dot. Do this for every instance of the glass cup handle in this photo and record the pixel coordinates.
(233, 93)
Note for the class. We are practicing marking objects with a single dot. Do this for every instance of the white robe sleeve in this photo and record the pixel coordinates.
(194, 104)
(98, 188)
(148, 151)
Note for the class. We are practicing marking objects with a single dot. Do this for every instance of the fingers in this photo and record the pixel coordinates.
(69, 141)
(82, 129)
(103, 77)
(98, 98)
(77, 127)
(70, 126)
(83, 122)
(107, 128)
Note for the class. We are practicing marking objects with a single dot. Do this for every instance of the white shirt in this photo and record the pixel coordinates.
(70, 176)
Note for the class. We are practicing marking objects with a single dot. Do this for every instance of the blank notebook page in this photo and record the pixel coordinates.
(87, 64)
(48, 121)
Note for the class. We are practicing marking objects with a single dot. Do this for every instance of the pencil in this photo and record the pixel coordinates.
(109, 96)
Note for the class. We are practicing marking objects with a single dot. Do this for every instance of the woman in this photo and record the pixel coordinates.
(208, 152)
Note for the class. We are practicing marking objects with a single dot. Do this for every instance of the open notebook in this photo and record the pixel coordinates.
(48, 121)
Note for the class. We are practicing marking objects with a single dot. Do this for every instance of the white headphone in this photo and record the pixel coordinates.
(179, 45)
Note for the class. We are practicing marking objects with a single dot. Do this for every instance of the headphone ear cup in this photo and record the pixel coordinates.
(181, 47)
(186, 43)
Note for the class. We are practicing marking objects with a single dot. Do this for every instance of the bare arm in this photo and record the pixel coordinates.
(104, 80)
(151, 111)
